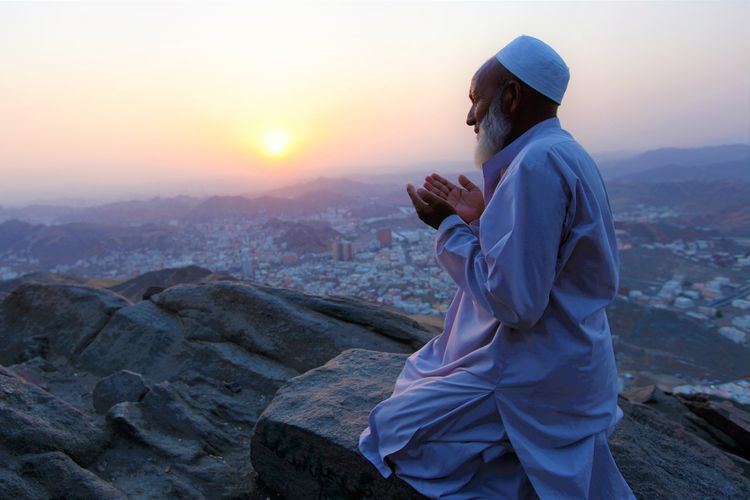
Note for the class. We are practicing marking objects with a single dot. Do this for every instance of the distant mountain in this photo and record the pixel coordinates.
(343, 186)
(685, 157)
(716, 203)
(236, 207)
(739, 169)
(37, 213)
(155, 210)
(67, 243)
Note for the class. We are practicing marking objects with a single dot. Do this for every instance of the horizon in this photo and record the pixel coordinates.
(196, 99)
(414, 169)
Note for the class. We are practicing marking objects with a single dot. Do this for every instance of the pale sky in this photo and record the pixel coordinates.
(123, 100)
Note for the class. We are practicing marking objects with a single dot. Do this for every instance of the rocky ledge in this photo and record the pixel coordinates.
(665, 446)
(227, 389)
(104, 398)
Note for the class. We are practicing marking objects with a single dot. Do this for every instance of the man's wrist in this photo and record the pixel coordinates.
(449, 221)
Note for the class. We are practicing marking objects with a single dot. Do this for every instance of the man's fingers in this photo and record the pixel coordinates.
(466, 182)
(435, 190)
(444, 182)
(430, 198)
(415, 199)
(436, 185)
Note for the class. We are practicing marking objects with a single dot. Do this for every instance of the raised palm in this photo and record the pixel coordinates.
(467, 201)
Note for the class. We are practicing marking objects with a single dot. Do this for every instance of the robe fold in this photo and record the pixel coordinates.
(518, 394)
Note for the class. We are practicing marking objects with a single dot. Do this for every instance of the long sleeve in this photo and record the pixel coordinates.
(510, 267)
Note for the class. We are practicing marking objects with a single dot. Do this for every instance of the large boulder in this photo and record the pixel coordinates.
(45, 443)
(305, 442)
(139, 288)
(274, 326)
(35, 421)
(52, 320)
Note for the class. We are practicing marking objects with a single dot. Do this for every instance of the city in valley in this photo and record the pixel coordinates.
(684, 248)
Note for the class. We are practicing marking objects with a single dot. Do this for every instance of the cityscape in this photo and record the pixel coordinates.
(389, 259)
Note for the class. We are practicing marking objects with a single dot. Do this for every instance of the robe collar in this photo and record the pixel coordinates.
(494, 168)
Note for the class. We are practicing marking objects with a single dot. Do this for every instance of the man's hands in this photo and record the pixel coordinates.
(467, 201)
(431, 209)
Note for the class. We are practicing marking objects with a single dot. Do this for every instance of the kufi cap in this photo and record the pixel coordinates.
(537, 65)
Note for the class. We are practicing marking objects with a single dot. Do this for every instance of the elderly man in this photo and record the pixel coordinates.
(518, 394)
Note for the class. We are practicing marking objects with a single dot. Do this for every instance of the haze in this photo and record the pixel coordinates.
(107, 101)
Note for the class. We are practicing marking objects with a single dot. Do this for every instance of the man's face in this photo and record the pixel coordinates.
(491, 125)
(482, 91)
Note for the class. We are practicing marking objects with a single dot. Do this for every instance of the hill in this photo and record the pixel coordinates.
(682, 157)
(67, 243)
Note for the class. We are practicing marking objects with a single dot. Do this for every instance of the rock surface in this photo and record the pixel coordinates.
(104, 398)
(53, 320)
(117, 388)
(183, 393)
(310, 432)
(138, 288)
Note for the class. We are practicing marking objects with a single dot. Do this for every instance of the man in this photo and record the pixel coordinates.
(518, 394)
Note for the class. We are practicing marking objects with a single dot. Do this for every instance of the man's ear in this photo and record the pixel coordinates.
(511, 99)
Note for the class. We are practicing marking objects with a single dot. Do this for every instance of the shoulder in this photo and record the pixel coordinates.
(548, 156)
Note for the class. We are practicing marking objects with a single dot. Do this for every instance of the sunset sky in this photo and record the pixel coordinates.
(117, 100)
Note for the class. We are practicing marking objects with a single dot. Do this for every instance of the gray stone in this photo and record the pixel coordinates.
(52, 320)
(61, 477)
(309, 432)
(35, 421)
(142, 338)
(216, 353)
(661, 459)
(118, 387)
(208, 452)
(305, 442)
(267, 324)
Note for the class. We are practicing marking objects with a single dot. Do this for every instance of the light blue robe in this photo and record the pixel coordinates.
(518, 394)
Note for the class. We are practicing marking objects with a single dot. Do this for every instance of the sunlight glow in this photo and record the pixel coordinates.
(275, 142)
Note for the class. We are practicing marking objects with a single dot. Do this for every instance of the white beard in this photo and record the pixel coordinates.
(493, 130)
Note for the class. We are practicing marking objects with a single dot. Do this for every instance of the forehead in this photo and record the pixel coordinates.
(485, 76)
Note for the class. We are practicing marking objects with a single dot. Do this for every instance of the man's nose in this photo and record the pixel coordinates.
(470, 119)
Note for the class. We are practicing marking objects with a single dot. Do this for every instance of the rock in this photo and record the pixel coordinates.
(8, 286)
(61, 477)
(34, 421)
(661, 459)
(118, 387)
(206, 452)
(269, 325)
(216, 352)
(152, 290)
(142, 338)
(724, 416)
(143, 286)
(371, 316)
(310, 430)
(679, 410)
(52, 320)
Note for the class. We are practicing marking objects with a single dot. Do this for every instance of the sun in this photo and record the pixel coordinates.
(276, 142)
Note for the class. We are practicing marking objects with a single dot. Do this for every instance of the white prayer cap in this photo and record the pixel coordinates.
(537, 65)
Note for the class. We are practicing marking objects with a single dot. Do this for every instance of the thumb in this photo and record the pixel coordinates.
(466, 182)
